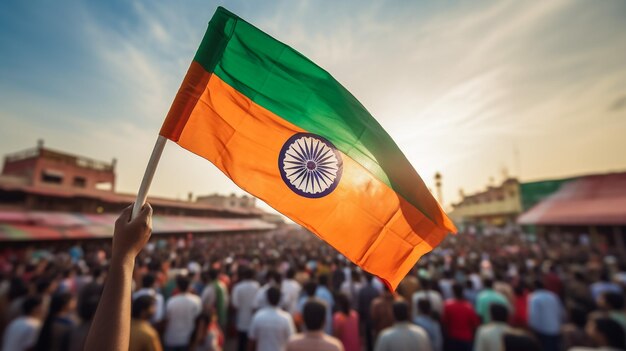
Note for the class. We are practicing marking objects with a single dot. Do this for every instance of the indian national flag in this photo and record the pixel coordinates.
(284, 130)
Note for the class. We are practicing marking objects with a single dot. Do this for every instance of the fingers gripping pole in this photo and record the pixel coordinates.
(148, 175)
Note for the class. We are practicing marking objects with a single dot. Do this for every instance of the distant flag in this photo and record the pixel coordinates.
(286, 131)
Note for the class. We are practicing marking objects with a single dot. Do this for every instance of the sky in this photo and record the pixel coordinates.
(472, 89)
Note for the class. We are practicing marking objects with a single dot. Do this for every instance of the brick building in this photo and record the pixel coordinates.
(49, 195)
(48, 180)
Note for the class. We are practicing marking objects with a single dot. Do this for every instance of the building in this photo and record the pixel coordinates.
(48, 180)
(44, 167)
(50, 194)
(594, 205)
(534, 192)
(590, 204)
(497, 205)
(502, 204)
(232, 201)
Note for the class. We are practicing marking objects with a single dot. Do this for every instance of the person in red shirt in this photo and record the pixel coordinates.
(460, 321)
(552, 281)
(520, 305)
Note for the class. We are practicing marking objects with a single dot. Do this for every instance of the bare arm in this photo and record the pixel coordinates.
(110, 330)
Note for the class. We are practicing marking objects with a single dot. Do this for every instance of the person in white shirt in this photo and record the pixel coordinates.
(403, 336)
(445, 285)
(181, 312)
(272, 279)
(378, 284)
(243, 296)
(271, 327)
(477, 281)
(352, 286)
(490, 336)
(147, 288)
(22, 333)
(426, 293)
(291, 292)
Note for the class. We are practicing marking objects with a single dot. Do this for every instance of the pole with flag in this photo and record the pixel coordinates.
(148, 175)
(284, 130)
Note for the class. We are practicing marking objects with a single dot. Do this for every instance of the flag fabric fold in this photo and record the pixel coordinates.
(286, 131)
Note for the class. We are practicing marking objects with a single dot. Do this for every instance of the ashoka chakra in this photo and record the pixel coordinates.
(310, 165)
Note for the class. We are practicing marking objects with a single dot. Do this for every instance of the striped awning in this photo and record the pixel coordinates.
(30, 226)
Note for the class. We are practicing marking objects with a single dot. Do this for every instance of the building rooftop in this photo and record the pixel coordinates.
(492, 193)
(62, 157)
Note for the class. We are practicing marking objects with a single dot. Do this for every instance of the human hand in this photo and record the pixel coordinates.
(131, 235)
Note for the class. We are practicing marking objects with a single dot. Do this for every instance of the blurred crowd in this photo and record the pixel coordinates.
(287, 290)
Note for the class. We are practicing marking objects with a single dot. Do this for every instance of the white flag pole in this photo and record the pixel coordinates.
(148, 175)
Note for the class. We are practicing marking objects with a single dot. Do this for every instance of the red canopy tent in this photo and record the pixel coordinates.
(591, 200)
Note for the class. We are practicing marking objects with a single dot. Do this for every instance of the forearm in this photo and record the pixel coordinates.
(110, 330)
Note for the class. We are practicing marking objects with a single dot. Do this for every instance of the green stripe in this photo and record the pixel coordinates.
(283, 81)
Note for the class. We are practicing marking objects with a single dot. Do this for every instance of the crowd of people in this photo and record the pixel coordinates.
(287, 290)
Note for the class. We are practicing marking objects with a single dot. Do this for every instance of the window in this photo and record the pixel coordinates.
(108, 186)
(80, 182)
(51, 177)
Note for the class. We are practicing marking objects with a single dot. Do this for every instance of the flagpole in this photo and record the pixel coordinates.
(148, 175)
